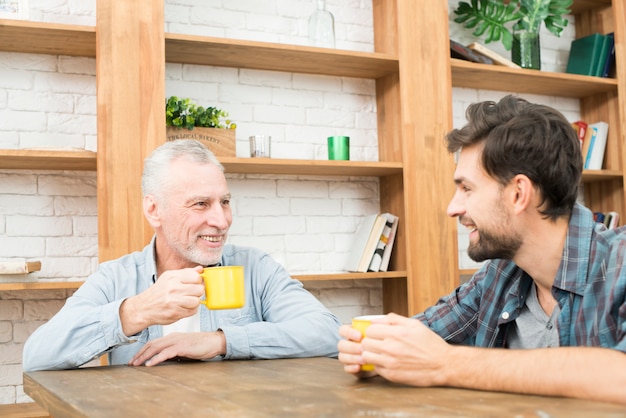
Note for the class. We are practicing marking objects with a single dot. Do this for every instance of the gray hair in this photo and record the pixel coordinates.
(156, 165)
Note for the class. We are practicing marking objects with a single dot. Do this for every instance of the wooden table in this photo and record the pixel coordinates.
(315, 387)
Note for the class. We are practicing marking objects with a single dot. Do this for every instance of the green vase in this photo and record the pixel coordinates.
(526, 51)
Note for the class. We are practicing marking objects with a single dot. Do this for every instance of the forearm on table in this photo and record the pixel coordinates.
(579, 372)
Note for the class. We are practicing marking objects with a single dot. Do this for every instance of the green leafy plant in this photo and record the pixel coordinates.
(183, 113)
(489, 17)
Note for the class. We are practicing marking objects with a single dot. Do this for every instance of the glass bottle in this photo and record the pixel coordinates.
(322, 27)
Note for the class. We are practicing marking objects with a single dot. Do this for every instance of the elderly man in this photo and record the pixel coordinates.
(143, 308)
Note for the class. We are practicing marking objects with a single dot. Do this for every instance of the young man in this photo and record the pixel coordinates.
(547, 313)
(143, 308)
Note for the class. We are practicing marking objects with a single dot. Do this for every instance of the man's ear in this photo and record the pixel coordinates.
(151, 210)
(523, 193)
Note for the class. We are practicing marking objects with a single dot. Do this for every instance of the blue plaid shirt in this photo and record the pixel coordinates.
(590, 287)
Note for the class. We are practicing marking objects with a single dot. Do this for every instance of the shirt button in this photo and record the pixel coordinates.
(505, 315)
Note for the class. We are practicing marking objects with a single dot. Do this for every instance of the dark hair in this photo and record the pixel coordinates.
(530, 139)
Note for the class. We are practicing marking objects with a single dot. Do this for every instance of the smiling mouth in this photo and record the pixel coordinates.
(211, 238)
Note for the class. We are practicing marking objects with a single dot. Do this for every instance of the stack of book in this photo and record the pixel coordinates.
(592, 138)
(373, 243)
(12, 270)
(609, 219)
(592, 55)
(476, 52)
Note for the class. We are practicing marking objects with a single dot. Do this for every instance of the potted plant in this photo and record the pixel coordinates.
(490, 17)
(186, 120)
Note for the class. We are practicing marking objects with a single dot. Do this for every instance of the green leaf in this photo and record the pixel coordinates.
(488, 17)
(185, 113)
(492, 18)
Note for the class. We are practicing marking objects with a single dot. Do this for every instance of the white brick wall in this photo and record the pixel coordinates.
(306, 223)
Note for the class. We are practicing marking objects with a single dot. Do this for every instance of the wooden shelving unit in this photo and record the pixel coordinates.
(414, 78)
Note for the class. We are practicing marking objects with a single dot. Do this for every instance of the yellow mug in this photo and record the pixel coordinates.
(224, 287)
(361, 323)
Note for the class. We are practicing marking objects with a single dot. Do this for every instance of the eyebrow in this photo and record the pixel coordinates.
(195, 198)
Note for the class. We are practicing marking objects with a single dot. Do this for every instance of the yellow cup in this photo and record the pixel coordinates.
(224, 287)
(361, 323)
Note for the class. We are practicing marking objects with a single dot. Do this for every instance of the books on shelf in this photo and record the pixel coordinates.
(385, 244)
(594, 157)
(384, 265)
(609, 219)
(365, 241)
(370, 242)
(592, 55)
(460, 51)
(593, 137)
(497, 58)
(581, 129)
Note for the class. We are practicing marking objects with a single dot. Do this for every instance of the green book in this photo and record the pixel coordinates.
(584, 54)
(604, 52)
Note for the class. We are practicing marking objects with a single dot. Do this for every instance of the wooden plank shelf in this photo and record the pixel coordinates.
(202, 50)
(583, 5)
(47, 38)
(50, 285)
(39, 285)
(86, 160)
(497, 77)
(25, 159)
(75, 40)
(601, 175)
(352, 276)
(309, 167)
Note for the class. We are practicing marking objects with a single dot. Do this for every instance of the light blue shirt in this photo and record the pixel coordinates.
(280, 318)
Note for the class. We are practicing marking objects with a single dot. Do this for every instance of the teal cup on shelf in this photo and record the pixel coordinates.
(338, 147)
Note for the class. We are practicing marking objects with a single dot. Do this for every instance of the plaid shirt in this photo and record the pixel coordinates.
(590, 287)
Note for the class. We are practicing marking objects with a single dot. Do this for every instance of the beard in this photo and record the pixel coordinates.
(189, 251)
(496, 240)
(492, 245)
(202, 257)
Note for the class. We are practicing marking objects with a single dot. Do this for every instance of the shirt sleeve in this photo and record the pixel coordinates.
(86, 327)
(454, 317)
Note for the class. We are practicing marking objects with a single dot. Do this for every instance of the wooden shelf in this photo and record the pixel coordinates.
(309, 167)
(601, 175)
(584, 5)
(23, 159)
(75, 40)
(49, 285)
(202, 50)
(352, 276)
(497, 77)
(47, 38)
(40, 285)
(86, 160)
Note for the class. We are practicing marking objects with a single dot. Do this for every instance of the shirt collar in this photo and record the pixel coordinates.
(152, 257)
(572, 273)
